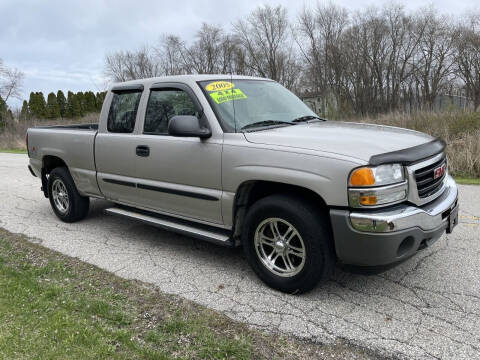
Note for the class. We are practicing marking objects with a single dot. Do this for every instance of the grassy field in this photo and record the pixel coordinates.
(56, 307)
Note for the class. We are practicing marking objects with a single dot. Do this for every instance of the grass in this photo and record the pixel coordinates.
(467, 181)
(56, 307)
(13, 151)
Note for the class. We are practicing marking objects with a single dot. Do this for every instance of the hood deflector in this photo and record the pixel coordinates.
(409, 155)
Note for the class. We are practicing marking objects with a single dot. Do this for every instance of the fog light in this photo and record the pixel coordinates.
(370, 225)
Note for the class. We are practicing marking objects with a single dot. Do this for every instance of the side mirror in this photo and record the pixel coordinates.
(187, 126)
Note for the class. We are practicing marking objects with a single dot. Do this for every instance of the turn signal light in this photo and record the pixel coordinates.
(368, 200)
(362, 177)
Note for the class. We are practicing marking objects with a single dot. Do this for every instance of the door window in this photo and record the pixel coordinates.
(123, 111)
(164, 104)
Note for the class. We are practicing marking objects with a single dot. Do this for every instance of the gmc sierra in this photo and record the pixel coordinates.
(242, 161)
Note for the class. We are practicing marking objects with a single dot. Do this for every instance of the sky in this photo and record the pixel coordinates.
(62, 44)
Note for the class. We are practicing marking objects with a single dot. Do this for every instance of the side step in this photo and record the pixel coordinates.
(199, 231)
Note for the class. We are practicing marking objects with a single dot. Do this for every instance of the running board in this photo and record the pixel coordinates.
(199, 231)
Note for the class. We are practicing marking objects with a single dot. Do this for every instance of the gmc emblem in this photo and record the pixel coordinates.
(439, 171)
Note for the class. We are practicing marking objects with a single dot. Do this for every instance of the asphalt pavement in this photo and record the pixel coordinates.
(427, 308)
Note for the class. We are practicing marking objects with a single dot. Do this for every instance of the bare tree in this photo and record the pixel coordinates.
(171, 56)
(127, 65)
(11, 82)
(265, 37)
(434, 59)
(205, 55)
(467, 57)
(318, 33)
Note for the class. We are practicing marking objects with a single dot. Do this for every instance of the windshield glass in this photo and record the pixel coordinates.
(240, 103)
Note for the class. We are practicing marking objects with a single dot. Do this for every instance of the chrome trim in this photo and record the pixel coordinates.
(170, 224)
(412, 184)
(427, 217)
(354, 194)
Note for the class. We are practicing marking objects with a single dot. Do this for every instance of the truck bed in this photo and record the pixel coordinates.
(74, 145)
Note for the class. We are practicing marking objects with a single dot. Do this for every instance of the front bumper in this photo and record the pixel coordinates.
(382, 237)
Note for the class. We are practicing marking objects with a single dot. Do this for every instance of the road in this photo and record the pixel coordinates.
(428, 307)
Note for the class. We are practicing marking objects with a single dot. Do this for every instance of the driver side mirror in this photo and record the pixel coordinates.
(187, 126)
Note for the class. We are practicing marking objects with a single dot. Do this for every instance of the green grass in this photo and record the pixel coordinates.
(13, 151)
(56, 307)
(467, 181)
(50, 310)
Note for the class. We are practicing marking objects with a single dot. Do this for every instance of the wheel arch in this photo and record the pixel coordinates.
(251, 191)
(50, 162)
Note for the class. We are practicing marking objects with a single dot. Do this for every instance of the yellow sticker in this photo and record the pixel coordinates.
(227, 95)
(219, 85)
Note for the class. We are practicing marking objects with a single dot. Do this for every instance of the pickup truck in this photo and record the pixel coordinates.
(242, 161)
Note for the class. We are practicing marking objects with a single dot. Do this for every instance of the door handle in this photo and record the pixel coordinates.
(143, 150)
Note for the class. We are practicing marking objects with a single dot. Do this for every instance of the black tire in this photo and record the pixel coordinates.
(315, 231)
(77, 208)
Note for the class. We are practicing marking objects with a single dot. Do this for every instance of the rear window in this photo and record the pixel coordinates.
(123, 111)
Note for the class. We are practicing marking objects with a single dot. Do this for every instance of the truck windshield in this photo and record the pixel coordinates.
(249, 104)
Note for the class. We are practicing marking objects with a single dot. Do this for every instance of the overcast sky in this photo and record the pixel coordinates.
(61, 44)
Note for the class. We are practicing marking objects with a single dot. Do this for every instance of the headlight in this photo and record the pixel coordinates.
(377, 186)
(377, 176)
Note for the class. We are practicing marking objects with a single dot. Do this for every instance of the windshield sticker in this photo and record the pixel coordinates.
(219, 85)
(227, 95)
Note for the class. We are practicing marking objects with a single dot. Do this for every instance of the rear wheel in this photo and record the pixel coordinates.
(66, 202)
(288, 243)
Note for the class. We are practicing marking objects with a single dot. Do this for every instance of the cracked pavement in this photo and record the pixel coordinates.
(426, 308)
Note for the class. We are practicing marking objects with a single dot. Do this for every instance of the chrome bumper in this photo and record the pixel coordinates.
(428, 217)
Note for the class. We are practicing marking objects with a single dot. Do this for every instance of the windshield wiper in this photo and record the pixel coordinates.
(306, 118)
(267, 123)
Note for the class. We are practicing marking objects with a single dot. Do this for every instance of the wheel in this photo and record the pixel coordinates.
(67, 203)
(288, 243)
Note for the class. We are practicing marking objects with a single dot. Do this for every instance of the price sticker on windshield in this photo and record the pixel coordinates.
(219, 85)
(227, 95)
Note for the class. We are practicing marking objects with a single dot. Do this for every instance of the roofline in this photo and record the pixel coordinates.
(184, 78)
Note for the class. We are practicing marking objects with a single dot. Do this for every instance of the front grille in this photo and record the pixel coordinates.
(427, 185)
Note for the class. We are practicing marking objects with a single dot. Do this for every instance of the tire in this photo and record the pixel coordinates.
(291, 272)
(66, 202)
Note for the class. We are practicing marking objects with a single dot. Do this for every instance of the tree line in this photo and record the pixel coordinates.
(371, 61)
(55, 106)
(58, 106)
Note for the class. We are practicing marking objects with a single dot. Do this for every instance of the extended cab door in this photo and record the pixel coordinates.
(115, 145)
(178, 175)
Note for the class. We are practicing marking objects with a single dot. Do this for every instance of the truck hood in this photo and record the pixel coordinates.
(354, 140)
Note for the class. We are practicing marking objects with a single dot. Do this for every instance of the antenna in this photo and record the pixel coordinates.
(233, 100)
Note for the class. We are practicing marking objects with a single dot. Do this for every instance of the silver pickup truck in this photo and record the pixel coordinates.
(242, 161)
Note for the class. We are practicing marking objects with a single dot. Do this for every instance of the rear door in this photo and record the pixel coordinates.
(180, 175)
(115, 145)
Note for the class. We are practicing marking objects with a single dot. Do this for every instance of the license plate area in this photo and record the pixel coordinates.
(452, 219)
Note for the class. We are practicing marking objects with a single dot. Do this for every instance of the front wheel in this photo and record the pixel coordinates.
(66, 202)
(288, 243)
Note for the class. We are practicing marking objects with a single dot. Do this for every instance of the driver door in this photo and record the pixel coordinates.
(178, 175)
